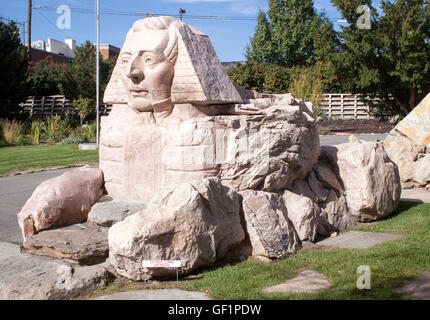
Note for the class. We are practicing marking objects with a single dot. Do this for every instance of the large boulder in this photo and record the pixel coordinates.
(61, 201)
(196, 223)
(408, 145)
(370, 179)
(270, 232)
(412, 159)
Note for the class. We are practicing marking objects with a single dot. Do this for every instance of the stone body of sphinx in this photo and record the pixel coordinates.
(177, 117)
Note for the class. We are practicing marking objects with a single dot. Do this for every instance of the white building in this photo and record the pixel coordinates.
(66, 48)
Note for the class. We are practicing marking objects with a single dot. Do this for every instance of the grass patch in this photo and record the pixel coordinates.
(23, 158)
(392, 263)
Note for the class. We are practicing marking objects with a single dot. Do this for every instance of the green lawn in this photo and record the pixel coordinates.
(15, 159)
(392, 263)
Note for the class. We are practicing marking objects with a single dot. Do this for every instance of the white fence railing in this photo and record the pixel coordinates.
(345, 106)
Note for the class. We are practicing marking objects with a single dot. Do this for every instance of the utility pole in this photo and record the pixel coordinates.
(29, 29)
(181, 12)
(98, 72)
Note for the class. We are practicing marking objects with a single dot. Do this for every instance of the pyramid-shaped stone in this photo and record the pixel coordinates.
(416, 125)
(199, 76)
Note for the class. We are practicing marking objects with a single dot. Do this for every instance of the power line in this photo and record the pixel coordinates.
(138, 14)
(151, 14)
(54, 25)
(20, 24)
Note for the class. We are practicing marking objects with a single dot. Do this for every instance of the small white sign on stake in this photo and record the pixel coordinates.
(163, 264)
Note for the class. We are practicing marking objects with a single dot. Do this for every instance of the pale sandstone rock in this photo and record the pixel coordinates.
(305, 212)
(61, 201)
(327, 176)
(270, 231)
(335, 211)
(107, 211)
(196, 223)
(371, 180)
(416, 126)
(412, 159)
(408, 145)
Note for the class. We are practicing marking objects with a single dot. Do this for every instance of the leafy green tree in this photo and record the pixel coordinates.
(45, 77)
(13, 69)
(80, 74)
(85, 107)
(294, 35)
(308, 84)
(262, 47)
(391, 60)
(268, 78)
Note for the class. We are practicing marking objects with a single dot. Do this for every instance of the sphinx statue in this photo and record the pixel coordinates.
(199, 170)
(177, 117)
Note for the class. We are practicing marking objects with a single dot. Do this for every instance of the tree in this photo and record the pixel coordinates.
(85, 108)
(261, 77)
(295, 35)
(13, 69)
(80, 74)
(44, 78)
(391, 60)
(262, 47)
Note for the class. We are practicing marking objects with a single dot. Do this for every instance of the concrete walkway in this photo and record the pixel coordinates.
(161, 294)
(416, 195)
(331, 140)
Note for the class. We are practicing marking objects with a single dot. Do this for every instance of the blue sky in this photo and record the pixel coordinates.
(228, 37)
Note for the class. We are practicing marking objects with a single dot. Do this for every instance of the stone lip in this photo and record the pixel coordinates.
(84, 244)
(308, 281)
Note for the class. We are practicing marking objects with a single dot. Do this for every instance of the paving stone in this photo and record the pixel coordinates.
(162, 294)
(419, 288)
(306, 281)
(359, 239)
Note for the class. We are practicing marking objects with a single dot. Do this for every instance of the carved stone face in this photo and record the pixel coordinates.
(147, 73)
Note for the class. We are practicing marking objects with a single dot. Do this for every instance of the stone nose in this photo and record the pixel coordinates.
(135, 71)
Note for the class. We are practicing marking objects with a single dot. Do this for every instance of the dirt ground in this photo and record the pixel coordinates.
(355, 126)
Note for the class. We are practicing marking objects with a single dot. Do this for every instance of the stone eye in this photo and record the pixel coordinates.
(149, 60)
(125, 60)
